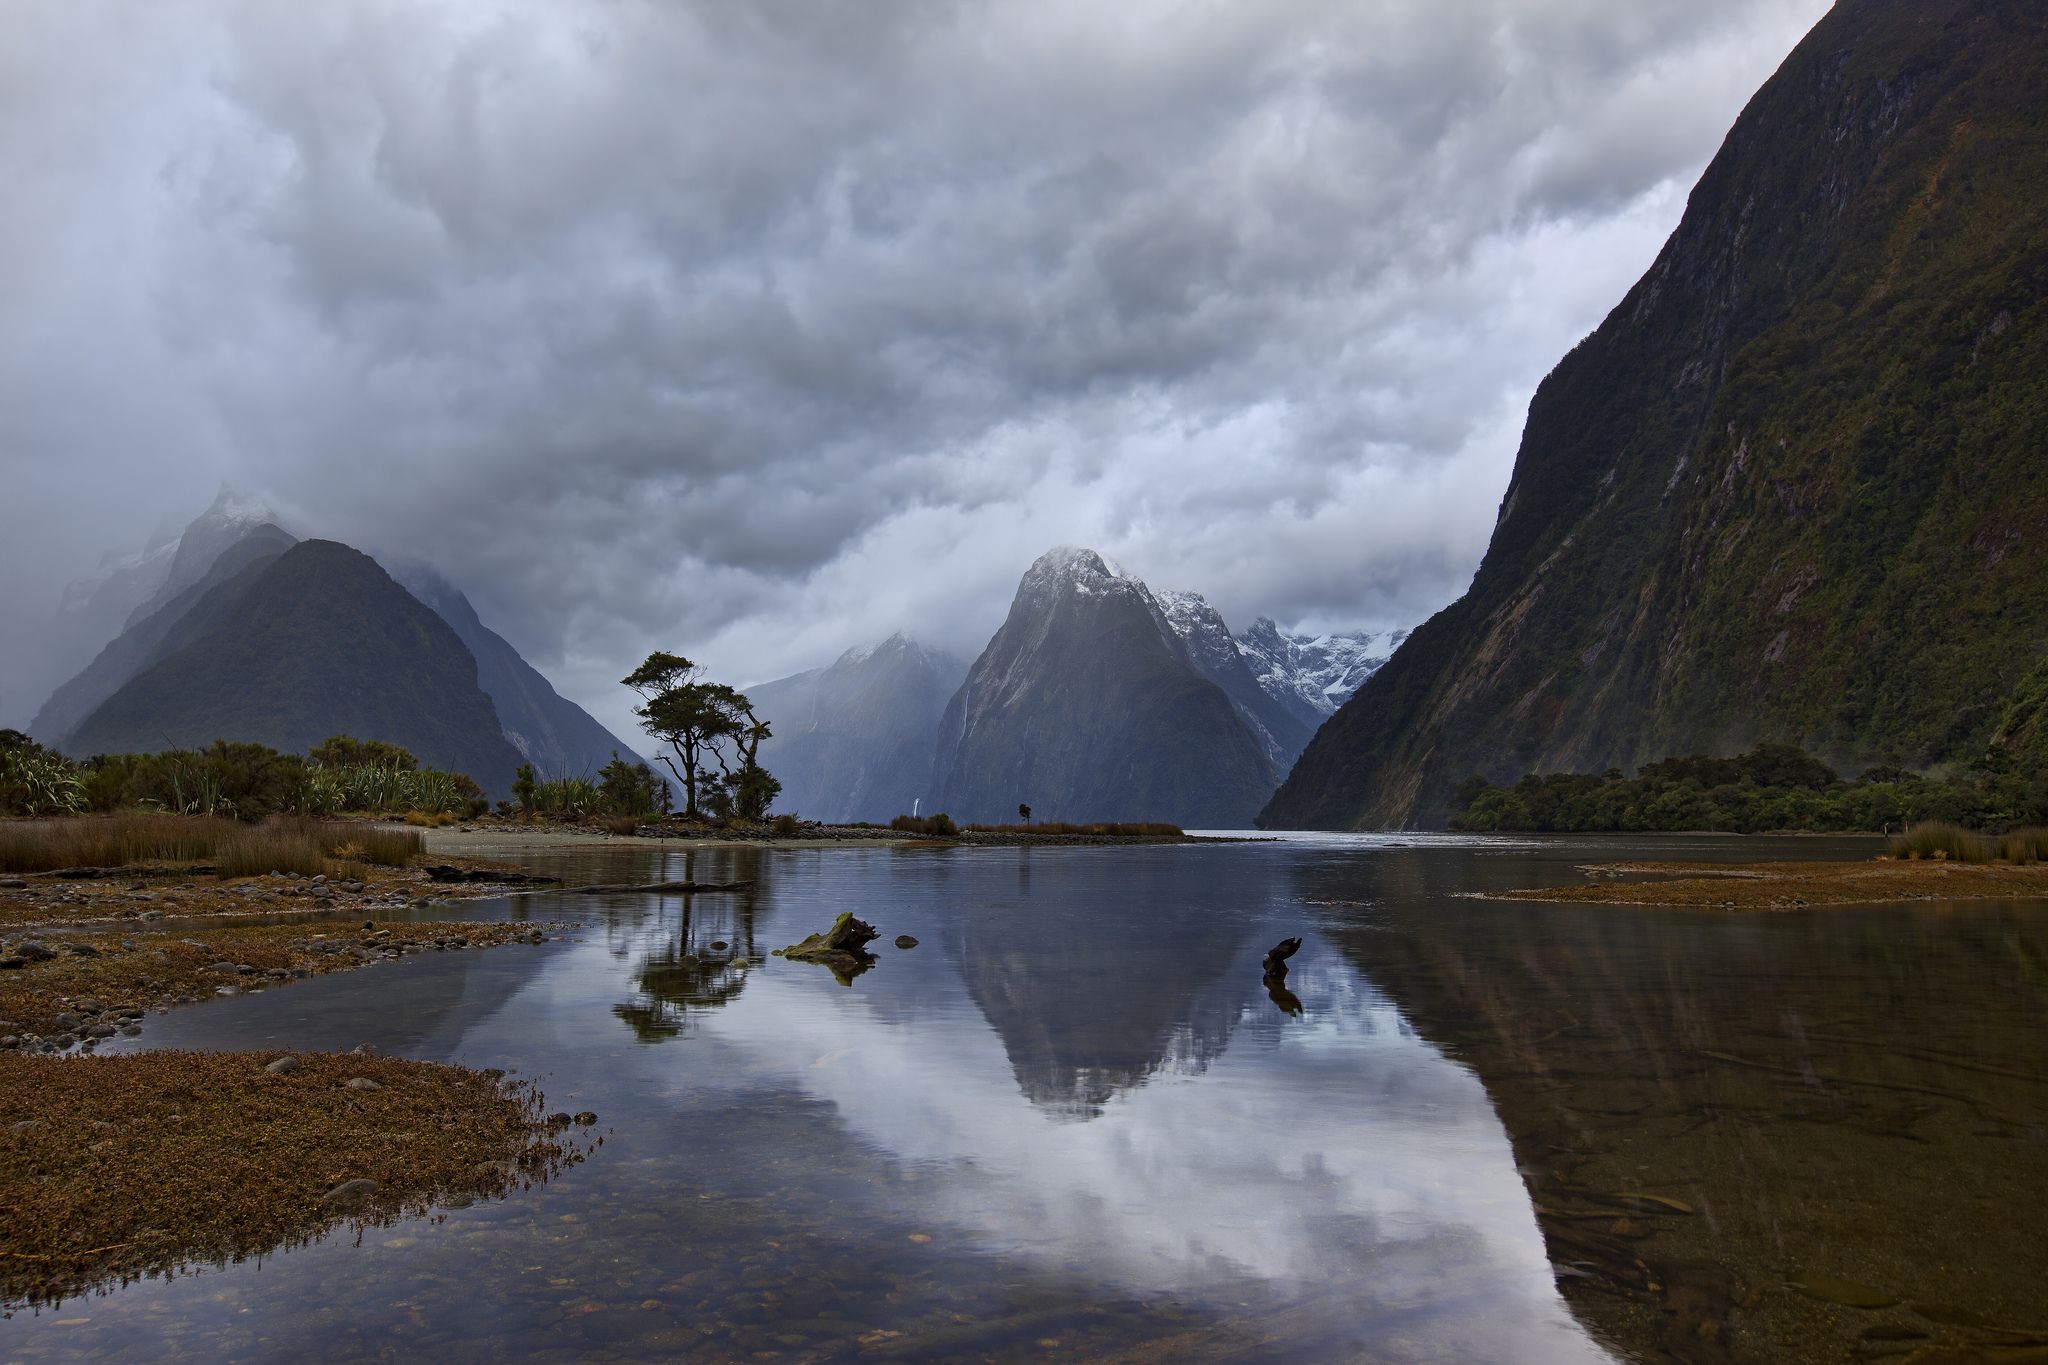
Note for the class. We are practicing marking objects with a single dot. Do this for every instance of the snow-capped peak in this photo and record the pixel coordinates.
(1321, 671)
(232, 507)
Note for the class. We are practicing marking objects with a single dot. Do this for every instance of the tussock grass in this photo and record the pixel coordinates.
(283, 844)
(2025, 846)
(1111, 827)
(1940, 840)
(437, 819)
(47, 845)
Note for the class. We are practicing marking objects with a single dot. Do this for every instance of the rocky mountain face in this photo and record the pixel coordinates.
(1313, 675)
(558, 737)
(1792, 488)
(1087, 705)
(854, 741)
(315, 642)
(1281, 732)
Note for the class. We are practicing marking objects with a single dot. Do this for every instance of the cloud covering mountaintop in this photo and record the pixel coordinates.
(761, 331)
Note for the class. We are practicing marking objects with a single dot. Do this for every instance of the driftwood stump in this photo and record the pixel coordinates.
(843, 947)
(1276, 958)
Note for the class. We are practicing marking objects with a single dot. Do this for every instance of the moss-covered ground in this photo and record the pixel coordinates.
(114, 1167)
(1794, 886)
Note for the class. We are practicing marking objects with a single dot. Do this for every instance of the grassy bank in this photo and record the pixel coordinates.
(281, 844)
(1795, 886)
(112, 1167)
(59, 988)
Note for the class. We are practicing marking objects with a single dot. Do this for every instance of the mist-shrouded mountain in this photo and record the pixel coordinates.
(315, 642)
(230, 519)
(558, 737)
(142, 643)
(1281, 733)
(1793, 488)
(156, 592)
(1313, 675)
(126, 588)
(1086, 705)
(855, 741)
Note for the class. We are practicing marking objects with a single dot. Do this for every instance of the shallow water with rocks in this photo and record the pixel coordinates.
(1074, 1121)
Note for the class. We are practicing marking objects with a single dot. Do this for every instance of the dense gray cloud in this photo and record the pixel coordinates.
(756, 331)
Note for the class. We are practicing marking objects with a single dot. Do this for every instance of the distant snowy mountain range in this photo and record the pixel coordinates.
(1100, 698)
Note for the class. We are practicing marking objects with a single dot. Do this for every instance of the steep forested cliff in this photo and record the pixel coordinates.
(1795, 487)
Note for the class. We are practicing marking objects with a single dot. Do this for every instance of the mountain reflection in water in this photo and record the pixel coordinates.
(1076, 1114)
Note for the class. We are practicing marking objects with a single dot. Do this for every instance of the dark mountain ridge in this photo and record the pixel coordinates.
(143, 642)
(558, 737)
(315, 642)
(1792, 489)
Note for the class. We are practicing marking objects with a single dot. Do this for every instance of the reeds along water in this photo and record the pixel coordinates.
(282, 844)
(1941, 840)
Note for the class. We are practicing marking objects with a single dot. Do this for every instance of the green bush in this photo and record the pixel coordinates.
(1770, 788)
(941, 823)
(35, 780)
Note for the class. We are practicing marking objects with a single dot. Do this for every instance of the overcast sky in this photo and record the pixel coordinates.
(758, 330)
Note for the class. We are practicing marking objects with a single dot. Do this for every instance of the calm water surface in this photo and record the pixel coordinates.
(1074, 1122)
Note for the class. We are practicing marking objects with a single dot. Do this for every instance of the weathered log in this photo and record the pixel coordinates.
(843, 947)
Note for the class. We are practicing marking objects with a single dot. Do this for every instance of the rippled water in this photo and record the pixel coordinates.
(1073, 1120)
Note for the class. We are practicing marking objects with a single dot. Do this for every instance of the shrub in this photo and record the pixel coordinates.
(631, 788)
(941, 823)
(1939, 839)
(342, 751)
(784, 825)
(35, 780)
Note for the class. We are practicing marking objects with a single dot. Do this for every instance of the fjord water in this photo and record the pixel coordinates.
(1073, 1121)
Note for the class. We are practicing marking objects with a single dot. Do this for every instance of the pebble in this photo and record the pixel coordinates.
(283, 1066)
(905, 941)
(586, 1118)
(361, 1083)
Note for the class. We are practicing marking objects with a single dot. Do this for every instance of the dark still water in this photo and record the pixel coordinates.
(1073, 1122)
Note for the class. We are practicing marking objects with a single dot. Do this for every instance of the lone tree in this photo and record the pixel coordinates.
(1024, 813)
(682, 712)
(699, 720)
